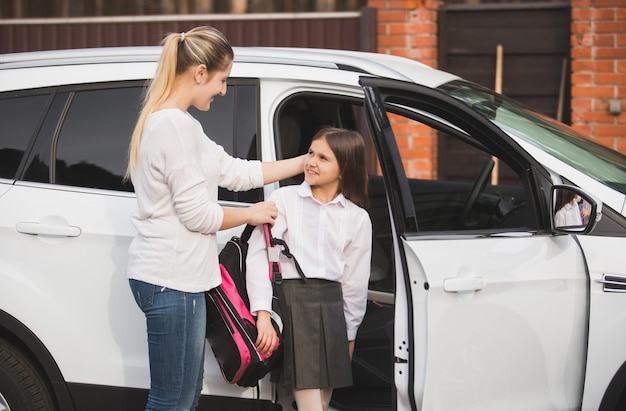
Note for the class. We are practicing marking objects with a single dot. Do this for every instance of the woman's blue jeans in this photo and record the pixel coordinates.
(176, 324)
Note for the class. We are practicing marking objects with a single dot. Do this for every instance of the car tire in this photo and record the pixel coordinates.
(22, 387)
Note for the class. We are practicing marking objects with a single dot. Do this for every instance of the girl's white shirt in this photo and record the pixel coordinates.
(568, 215)
(330, 241)
(176, 181)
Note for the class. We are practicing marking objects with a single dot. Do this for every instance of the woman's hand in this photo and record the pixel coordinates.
(262, 212)
(256, 214)
(266, 341)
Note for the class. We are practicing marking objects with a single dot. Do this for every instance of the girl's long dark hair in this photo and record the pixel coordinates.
(349, 149)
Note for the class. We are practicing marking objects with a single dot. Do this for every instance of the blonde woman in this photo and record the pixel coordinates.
(176, 170)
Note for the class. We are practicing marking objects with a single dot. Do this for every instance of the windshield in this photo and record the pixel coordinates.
(599, 162)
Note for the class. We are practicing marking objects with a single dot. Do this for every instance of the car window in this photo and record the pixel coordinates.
(468, 189)
(84, 139)
(232, 123)
(20, 116)
(568, 145)
(93, 141)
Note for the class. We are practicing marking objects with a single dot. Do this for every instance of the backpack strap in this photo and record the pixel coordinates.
(247, 232)
(273, 255)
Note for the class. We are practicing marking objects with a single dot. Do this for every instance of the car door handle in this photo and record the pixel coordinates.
(613, 283)
(454, 285)
(47, 229)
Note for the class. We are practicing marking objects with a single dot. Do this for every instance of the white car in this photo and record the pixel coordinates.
(478, 301)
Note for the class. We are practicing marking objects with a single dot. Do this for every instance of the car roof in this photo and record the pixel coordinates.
(382, 65)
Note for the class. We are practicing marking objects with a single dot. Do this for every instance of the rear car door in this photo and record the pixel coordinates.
(490, 309)
(65, 230)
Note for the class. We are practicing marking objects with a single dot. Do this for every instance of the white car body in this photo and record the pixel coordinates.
(487, 319)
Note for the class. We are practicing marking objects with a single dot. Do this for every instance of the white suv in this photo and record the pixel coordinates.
(477, 300)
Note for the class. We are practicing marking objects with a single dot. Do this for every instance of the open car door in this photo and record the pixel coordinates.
(490, 306)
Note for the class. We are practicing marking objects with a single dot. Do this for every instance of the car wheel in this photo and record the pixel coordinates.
(21, 386)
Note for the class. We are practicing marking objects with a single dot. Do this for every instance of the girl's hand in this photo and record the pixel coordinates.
(267, 339)
(262, 212)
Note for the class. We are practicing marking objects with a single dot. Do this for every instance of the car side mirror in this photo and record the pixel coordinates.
(574, 210)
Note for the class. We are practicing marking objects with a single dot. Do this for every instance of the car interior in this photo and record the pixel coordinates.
(452, 200)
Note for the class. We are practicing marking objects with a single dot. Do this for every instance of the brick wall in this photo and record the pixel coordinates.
(598, 40)
(409, 28)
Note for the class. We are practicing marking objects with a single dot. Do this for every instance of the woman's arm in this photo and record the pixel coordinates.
(282, 169)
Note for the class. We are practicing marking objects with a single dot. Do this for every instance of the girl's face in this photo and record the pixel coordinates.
(321, 168)
(215, 85)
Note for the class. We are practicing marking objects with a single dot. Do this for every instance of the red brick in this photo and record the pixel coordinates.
(424, 41)
(393, 41)
(610, 53)
(610, 27)
(412, 28)
(621, 39)
(581, 27)
(423, 15)
(581, 104)
(596, 116)
(425, 141)
(603, 14)
(412, 153)
(391, 16)
(604, 66)
(610, 130)
(581, 52)
(580, 3)
(610, 78)
(606, 40)
(581, 79)
(605, 91)
(401, 141)
(608, 3)
(404, 4)
(402, 127)
(579, 14)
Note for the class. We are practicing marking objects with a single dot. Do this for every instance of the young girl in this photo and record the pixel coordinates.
(325, 224)
(176, 170)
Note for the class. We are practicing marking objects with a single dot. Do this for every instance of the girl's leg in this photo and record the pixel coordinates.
(176, 329)
(325, 394)
(309, 399)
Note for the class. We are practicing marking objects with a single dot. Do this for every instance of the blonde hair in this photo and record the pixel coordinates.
(201, 45)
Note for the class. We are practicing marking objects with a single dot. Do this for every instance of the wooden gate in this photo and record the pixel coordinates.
(535, 50)
(535, 39)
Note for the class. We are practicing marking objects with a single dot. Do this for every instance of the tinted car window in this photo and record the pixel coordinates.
(20, 116)
(89, 148)
(232, 123)
(93, 142)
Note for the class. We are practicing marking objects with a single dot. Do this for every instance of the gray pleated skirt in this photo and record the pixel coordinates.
(316, 353)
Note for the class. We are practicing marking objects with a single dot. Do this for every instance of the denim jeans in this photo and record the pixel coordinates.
(176, 323)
